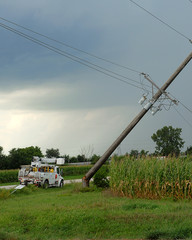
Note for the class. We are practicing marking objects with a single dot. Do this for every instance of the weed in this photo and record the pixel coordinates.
(134, 206)
(182, 233)
(6, 236)
(4, 194)
(77, 187)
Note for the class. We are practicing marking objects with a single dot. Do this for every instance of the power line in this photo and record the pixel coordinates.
(69, 46)
(187, 108)
(183, 117)
(160, 20)
(77, 59)
(73, 57)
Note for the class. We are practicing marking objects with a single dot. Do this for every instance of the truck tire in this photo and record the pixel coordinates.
(46, 184)
(61, 184)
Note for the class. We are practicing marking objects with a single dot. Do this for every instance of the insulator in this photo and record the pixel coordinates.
(142, 100)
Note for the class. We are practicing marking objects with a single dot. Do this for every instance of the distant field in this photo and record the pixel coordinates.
(75, 213)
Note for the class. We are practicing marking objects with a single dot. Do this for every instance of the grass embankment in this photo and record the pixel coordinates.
(73, 213)
(152, 178)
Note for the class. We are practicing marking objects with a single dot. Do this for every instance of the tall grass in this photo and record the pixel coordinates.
(152, 178)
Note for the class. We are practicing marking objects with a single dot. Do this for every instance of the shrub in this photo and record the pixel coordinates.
(100, 179)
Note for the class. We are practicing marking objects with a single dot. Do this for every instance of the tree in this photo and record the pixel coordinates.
(94, 158)
(67, 158)
(81, 158)
(4, 160)
(23, 156)
(189, 151)
(87, 152)
(52, 153)
(143, 153)
(134, 153)
(168, 141)
(1, 150)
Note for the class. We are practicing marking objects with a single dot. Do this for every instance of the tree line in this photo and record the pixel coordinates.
(168, 142)
(24, 156)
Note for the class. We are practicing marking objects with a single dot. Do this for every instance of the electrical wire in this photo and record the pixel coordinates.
(80, 60)
(73, 57)
(187, 108)
(69, 46)
(183, 117)
(163, 22)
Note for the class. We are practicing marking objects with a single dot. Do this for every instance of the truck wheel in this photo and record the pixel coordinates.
(25, 183)
(61, 184)
(46, 184)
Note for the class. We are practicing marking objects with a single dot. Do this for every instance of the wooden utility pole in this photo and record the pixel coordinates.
(128, 129)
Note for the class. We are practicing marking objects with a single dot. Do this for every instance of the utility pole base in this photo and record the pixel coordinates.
(85, 182)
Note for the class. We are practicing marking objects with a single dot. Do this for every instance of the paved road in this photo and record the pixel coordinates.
(65, 182)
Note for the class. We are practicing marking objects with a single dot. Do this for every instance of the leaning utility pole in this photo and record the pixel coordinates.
(116, 143)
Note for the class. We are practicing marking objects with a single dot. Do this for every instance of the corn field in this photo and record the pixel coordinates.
(8, 176)
(152, 178)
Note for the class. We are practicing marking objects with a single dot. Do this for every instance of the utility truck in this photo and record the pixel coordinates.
(43, 172)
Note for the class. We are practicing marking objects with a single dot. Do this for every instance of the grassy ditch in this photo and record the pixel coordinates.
(76, 213)
(152, 178)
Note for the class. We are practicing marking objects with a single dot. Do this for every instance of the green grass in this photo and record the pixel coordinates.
(73, 177)
(76, 213)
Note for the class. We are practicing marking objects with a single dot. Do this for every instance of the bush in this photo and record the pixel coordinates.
(100, 179)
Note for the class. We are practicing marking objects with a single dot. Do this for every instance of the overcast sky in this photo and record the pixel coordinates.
(51, 101)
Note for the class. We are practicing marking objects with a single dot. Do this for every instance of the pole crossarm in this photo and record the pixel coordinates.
(134, 122)
(165, 93)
